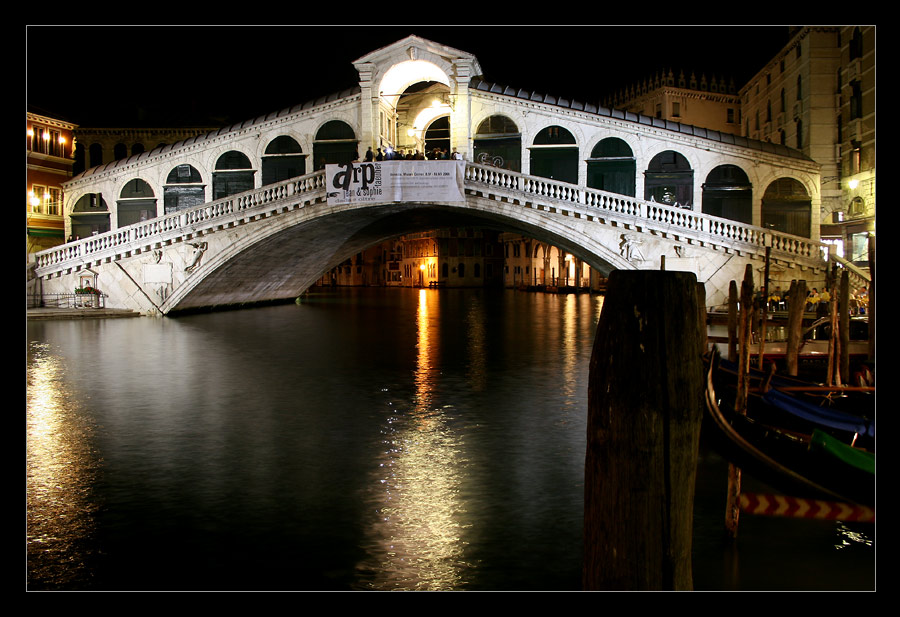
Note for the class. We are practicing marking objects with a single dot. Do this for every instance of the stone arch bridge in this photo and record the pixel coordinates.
(243, 214)
(272, 243)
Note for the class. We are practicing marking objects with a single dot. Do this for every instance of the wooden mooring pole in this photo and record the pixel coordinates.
(733, 495)
(645, 405)
(844, 328)
(764, 311)
(796, 306)
(733, 302)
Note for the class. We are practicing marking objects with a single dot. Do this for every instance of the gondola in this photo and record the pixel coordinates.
(800, 465)
(800, 406)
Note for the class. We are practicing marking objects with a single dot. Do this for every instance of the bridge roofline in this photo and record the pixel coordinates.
(347, 93)
(414, 40)
(482, 85)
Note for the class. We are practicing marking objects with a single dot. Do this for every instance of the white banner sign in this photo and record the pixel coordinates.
(390, 181)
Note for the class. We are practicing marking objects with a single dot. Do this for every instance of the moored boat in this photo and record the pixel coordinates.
(800, 464)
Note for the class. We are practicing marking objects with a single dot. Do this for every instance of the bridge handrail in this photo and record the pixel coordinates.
(218, 212)
(667, 217)
(171, 225)
(858, 277)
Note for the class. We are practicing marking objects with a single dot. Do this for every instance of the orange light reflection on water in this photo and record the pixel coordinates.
(417, 540)
(60, 469)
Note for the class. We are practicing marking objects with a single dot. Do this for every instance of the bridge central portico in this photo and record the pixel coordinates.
(156, 242)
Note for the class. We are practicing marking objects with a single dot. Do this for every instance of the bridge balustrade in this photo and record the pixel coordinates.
(724, 230)
(171, 225)
(513, 184)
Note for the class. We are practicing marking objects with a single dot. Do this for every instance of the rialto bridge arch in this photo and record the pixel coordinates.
(272, 243)
(179, 175)
(468, 101)
(279, 262)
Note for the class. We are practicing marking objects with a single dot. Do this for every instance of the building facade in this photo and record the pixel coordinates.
(816, 95)
(711, 103)
(796, 100)
(96, 146)
(49, 146)
(853, 221)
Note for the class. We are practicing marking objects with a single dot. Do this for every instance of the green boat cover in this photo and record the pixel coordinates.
(823, 442)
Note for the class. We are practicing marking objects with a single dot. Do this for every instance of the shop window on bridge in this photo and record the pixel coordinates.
(554, 155)
(89, 217)
(669, 179)
(612, 167)
(335, 143)
(234, 174)
(498, 142)
(136, 203)
(787, 207)
(727, 194)
(184, 189)
(120, 151)
(284, 159)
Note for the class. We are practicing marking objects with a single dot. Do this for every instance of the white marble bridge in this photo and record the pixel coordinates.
(241, 215)
(272, 243)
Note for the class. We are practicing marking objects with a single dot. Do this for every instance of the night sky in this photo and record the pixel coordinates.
(217, 75)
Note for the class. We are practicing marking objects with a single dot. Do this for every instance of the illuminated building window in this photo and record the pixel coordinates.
(45, 200)
(44, 140)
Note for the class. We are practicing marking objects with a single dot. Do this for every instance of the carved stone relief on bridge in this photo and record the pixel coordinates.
(199, 249)
(629, 248)
(157, 275)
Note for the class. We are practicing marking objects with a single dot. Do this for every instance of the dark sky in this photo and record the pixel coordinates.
(218, 75)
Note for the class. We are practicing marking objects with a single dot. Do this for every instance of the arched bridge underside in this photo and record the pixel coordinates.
(272, 243)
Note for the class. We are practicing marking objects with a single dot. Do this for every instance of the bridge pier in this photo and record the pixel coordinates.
(644, 413)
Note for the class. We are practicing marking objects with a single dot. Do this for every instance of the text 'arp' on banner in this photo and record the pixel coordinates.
(392, 181)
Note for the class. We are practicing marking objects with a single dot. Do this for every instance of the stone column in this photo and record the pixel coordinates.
(369, 108)
(461, 116)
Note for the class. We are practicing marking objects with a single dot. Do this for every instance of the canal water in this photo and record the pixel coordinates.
(363, 439)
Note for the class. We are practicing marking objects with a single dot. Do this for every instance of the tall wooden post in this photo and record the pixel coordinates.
(732, 321)
(745, 339)
(763, 324)
(645, 398)
(832, 338)
(796, 306)
(733, 494)
(701, 306)
(844, 327)
(872, 298)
